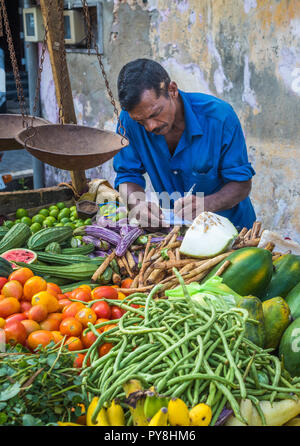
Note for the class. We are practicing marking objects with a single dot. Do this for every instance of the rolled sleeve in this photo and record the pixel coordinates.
(127, 163)
(234, 164)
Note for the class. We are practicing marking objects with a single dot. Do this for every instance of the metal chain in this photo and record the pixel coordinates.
(63, 58)
(92, 41)
(14, 64)
(1, 24)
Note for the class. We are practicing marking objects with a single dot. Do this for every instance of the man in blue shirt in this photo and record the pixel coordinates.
(183, 141)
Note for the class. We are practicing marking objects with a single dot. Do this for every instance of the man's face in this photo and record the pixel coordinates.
(156, 114)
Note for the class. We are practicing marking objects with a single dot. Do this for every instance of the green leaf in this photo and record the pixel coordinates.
(3, 418)
(29, 420)
(10, 392)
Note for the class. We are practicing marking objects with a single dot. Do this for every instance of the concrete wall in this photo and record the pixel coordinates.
(246, 52)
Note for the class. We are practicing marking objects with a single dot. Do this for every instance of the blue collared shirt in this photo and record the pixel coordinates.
(211, 152)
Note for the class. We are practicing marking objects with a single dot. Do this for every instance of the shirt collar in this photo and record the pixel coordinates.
(192, 125)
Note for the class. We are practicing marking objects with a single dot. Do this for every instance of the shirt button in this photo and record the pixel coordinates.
(175, 172)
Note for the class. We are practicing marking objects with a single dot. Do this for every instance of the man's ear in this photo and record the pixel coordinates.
(173, 89)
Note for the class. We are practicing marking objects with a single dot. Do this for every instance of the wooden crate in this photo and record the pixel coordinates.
(34, 200)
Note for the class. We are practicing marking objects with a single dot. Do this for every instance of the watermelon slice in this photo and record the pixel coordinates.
(19, 255)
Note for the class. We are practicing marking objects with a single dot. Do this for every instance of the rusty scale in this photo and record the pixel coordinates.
(65, 146)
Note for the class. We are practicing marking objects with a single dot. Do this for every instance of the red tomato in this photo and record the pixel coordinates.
(3, 281)
(15, 317)
(15, 333)
(105, 348)
(8, 306)
(88, 339)
(105, 291)
(81, 294)
(116, 312)
(102, 309)
(24, 306)
(78, 360)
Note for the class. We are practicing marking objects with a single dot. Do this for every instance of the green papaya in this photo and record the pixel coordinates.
(285, 276)
(289, 348)
(249, 272)
(254, 332)
(293, 301)
(277, 317)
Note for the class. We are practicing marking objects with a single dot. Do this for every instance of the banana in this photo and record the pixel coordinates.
(153, 403)
(138, 416)
(160, 418)
(115, 414)
(200, 415)
(101, 419)
(178, 412)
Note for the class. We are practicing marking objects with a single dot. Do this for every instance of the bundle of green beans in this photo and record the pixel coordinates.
(187, 350)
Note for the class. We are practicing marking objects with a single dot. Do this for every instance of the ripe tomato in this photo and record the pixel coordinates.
(71, 309)
(38, 313)
(81, 294)
(55, 316)
(15, 317)
(15, 333)
(88, 339)
(47, 299)
(25, 305)
(98, 321)
(102, 309)
(39, 337)
(3, 281)
(2, 297)
(54, 289)
(21, 275)
(57, 336)
(74, 344)
(8, 306)
(105, 348)
(86, 315)
(50, 324)
(62, 297)
(85, 287)
(12, 288)
(70, 327)
(68, 294)
(104, 291)
(126, 283)
(78, 360)
(30, 326)
(33, 286)
(108, 327)
(116, 312)
(63, 303)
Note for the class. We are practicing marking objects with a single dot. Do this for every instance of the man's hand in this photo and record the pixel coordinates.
(187, 208)
(147, 214)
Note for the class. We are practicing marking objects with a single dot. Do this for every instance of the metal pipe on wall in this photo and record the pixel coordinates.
(32, 64)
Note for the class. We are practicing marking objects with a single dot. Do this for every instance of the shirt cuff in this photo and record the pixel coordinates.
(137, 179)
(238, 173)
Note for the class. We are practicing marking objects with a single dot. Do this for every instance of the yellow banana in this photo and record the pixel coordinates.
(178, 412)
(101, 419)
(138, 416)
(200, 415)
(61, 423)
(115, 414)
(160, 418)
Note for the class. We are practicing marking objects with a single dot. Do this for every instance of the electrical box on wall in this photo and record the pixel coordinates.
(33, 25)
(74, 27)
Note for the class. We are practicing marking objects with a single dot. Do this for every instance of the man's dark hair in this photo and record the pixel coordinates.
(140, 75)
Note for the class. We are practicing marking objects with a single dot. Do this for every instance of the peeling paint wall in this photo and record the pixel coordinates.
(246, 52)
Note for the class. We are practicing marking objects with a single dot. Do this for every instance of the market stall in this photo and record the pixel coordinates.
(105, 324)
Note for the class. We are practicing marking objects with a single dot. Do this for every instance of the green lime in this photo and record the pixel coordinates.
(72, 208)
(8, 224)
(44, 212)
(38, 218)
(78, 225)
(50, 218)
(35, 227)
(47, 223)
(58, 224)
(74, 214)
(88, 221)
(70, 224)
(18, 220)
(53, 208)
(26, 220)
(65, 220)
(54, 213)
(60, 205)
(21, 213)
(72, 218)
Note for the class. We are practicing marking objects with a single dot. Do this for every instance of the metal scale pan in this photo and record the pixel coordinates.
(70, 146)
(11, 125)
